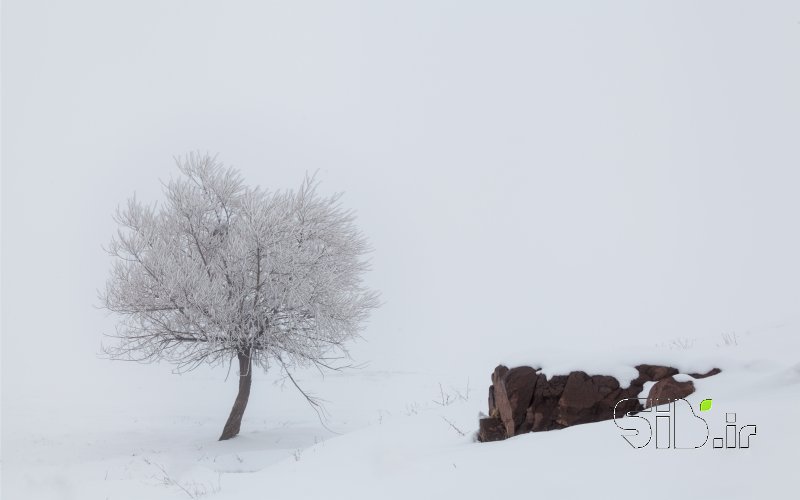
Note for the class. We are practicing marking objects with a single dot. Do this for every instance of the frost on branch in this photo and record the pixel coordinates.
(220, 271)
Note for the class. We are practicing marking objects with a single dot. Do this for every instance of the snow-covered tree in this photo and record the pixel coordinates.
(221, 271)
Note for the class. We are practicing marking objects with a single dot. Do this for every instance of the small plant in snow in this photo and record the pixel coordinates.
(678, 344)
(192, 489)
(380, 415)
(729, 340)
(446, 398)
(412, 409)
(459, 431)
(201, 489)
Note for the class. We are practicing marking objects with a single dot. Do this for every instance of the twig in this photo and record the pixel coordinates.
(167, 479)
(459, 431)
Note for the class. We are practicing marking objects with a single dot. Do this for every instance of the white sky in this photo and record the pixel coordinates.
(528, 172)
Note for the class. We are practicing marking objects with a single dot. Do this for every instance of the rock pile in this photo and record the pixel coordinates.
(523, 400)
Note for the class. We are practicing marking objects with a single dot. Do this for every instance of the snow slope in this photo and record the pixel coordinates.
(399, 435)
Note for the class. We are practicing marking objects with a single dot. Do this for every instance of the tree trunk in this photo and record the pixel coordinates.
(245, 378)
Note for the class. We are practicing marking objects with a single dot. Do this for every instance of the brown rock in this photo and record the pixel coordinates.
(709, 373)
(653, 373)
(491, 429)
(630, 404)
(544, 406)
(667, 390)
(499, 395)
(587, 399)
(498, 373)
(513, 391)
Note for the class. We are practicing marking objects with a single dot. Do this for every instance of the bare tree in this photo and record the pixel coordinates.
(221, 271)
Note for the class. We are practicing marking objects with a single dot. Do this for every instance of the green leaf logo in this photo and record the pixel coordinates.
(705, 405)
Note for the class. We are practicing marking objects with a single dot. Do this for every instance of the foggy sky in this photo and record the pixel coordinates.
(527, 172)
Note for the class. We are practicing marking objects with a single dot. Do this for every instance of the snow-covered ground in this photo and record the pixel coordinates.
(406, 435)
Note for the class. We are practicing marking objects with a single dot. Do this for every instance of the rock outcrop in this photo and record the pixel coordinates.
(667, 390)
(523, 400)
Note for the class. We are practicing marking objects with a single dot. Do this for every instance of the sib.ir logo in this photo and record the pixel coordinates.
(674, 424)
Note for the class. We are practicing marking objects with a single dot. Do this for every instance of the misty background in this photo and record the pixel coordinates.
(605, 174)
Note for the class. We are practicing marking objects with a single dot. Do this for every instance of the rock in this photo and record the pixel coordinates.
(497, 377)
(513, 391)
(653, 373)
(667, 390)
(491, 429)
(628, 400)
(709, 373)
(587, 399)
(545, 403)
(647, 373)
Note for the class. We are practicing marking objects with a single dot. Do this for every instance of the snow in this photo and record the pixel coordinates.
(397, 435)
